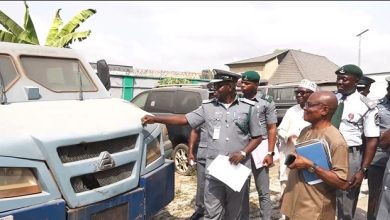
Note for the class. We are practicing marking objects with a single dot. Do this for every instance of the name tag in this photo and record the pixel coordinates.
(216, 133)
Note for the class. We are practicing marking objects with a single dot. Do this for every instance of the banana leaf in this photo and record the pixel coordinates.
(57, 22)
(8, 37)
(68, 39)
(75, 22)
(29, 27)
(9, 24)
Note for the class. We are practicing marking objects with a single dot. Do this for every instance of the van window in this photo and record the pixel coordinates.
(140, 100)
(59, 75)
(7, 71)
(161, 102)
(187, 101)
(282, 94)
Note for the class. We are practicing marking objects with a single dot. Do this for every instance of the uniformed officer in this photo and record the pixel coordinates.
(355, 114)
(377, 168)
(197, 145)
(265, 110)
(364, 85)
(232, 130)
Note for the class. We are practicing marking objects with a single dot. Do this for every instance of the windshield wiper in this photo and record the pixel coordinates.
(81, 85)
(3, 95)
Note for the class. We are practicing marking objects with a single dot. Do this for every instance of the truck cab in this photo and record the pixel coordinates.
(69, 150)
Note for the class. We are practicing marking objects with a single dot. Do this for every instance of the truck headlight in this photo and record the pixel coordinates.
(17, 181)
(153, 151)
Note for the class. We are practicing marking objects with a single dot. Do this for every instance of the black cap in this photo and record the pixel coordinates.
(223, 75)
(365, 81)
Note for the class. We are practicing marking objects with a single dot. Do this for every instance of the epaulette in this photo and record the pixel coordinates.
(247, 101)
(370, 103)
(205, 101)
(267, 98)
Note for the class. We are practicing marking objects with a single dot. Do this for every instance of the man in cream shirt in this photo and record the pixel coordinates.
(291, 126)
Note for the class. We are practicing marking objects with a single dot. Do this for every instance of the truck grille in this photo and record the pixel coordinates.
(85, 151)
(91, 181)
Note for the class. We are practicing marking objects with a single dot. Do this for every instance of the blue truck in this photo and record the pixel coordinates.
(68, 150)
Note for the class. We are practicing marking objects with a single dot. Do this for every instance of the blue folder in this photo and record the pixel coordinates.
(317, 151)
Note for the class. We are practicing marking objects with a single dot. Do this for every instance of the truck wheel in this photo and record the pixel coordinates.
(180, 156)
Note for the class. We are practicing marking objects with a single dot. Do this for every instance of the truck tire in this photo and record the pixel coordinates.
(180, 156)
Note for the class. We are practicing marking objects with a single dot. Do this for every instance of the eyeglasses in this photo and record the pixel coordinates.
(310, 105)
(216, 86)
(302, 92)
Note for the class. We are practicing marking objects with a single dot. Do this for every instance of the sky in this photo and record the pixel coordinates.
(192, 36)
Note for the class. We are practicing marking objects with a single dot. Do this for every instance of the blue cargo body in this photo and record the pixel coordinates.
(142, 203)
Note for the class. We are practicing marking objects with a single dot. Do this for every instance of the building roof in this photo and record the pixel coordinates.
(298, 65)
(261, 59)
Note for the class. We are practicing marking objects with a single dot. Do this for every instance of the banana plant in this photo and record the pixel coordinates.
(15, 33)
(58, 36)
(63, 37)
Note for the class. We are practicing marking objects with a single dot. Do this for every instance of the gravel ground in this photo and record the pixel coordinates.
(182, 206)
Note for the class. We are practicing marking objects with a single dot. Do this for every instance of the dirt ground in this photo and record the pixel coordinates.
(182, 206)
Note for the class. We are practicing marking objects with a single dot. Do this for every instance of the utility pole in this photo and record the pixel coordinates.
(360, 39)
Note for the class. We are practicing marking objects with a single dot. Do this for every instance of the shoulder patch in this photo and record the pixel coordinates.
(247, 101)
(267, 98)
(370, 103)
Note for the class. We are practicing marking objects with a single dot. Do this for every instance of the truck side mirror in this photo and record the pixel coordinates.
(103, 73)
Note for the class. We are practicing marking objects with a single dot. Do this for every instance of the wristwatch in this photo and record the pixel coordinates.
(312, 169)
(364, 170)
(243, 154)
(271, 153)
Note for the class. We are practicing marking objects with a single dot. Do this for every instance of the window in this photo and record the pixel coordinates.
(140, 100)
(160, 101)
(282, 94)
(59, 75)
(7, 71)
(187, 101)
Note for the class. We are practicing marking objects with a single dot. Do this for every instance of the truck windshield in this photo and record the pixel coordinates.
(7, 71)
(58, 74)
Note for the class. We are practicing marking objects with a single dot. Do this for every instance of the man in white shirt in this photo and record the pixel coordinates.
(355, 114)
(291, 126)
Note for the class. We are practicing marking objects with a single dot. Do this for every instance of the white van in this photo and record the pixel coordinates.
(68, 150)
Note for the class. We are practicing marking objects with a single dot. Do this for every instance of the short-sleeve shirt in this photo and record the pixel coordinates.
(228, 129)
(381, 155)
(292, 123)
(358, 118)
(302, 201)
(265, 110)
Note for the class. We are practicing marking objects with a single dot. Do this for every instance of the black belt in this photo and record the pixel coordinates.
(354, 148)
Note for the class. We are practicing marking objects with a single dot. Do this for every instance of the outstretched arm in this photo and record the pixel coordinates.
(166, 119)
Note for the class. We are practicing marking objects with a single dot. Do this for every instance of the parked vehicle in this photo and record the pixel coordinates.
(284, 97)
(70, 151)
(174, 100)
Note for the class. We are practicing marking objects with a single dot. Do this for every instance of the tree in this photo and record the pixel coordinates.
(58, 36)
(67, 34)
(17, 34)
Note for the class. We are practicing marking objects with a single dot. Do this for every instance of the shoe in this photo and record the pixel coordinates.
(197, 215)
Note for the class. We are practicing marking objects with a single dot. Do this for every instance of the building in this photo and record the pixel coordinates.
(127, 82)
(286, 66)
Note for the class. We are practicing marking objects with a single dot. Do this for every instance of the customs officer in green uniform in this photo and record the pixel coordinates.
(265, 110)
(355, 115)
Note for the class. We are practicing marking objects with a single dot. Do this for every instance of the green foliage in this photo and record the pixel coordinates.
(63, 37)
(15, 33)
(172, 80)
(57, 36)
